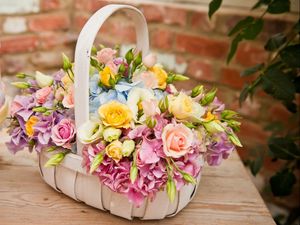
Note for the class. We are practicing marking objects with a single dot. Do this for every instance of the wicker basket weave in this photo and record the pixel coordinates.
(69, 177)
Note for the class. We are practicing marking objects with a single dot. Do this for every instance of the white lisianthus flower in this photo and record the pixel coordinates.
(128, 147)
(43, 80)
(89, 132)
(110, 134)
(135, 98)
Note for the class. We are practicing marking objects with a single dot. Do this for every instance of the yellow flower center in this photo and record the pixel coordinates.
(210, 117)
(115, 114)
(105, 75)
(30, 124)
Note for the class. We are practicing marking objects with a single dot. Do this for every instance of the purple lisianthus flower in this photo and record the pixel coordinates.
(216, 106)
(22, 106)
(43, 129)
(18, 140)
(219, 148)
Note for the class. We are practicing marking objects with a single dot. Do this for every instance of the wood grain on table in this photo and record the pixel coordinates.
(226, 196)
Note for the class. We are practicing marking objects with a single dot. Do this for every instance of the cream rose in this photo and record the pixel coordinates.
(177, 140)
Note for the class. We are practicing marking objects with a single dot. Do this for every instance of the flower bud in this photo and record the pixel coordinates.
(163, 104)
(129, 56)
(171, 189)
(96, 162)
(21, 75)
(150, 122)
(188, 178)
(213, 126)
(66, 63)
(21, 85)
(40, 109)
(110, 134)
(133, 173)
(55, 159)
(43, 80)
(197, 91)
(138, 59)
(128, 147)
(209, 97)
(229, 114)
(234, 139)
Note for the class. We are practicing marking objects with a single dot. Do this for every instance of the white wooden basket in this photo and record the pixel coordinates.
(69, 177)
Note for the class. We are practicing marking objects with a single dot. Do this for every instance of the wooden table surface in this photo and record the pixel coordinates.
(226, 196)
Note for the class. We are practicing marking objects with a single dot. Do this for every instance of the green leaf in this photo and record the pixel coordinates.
(275, 42)
(278, 84)
(234, 45)
(214, 5)
(251, 31)
(282, 182)
(279, 6)
(244, 94)
(283, 148)
(252, 70)
(240, 25)
(256, 164)
(291, 55)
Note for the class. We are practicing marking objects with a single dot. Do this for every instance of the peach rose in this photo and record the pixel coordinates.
(68, 100)
(149, 60)
(148, 78)
(42, 94)
(177, 140)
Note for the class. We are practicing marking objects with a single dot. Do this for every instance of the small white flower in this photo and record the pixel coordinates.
(89, 132)
(110, 134)
(128, 147)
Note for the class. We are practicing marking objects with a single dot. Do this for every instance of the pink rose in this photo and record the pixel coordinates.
(68, 100)
(42, 94)
(177, 140)
(63, 133)
(149, 60)
(105, 55)
(113, 67)
(148, 78)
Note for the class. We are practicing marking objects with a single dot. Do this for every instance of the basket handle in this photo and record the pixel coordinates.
(83, 52)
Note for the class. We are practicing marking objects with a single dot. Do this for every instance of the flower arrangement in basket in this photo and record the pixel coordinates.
(142, 137)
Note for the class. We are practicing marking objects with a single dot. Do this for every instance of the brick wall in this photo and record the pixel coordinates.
(34, 32)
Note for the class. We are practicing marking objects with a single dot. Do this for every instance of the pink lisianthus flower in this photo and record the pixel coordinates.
(113, 67)
(150, 107)
(149, 60)
(68, 100)
(105, 55)
(177, 140)
(63, 133)
(148, 78)
(42, 94)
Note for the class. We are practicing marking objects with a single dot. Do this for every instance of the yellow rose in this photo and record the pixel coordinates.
(29, 125)
(183, 107)
(161, 76)
(114, 150)
(105, 75)
(115, 114)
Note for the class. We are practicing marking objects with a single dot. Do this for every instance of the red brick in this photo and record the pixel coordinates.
(200, 70)
(200, 21)
(167, 15)
(79, 21)
(279, 112)
(90, 5)
(21, 43)
(13, 64)
(232, 78)
(50, 4)
(253, 132)
(250, 55)
(51, 39)
(201, 45)
(46, 22)
(162, 39)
